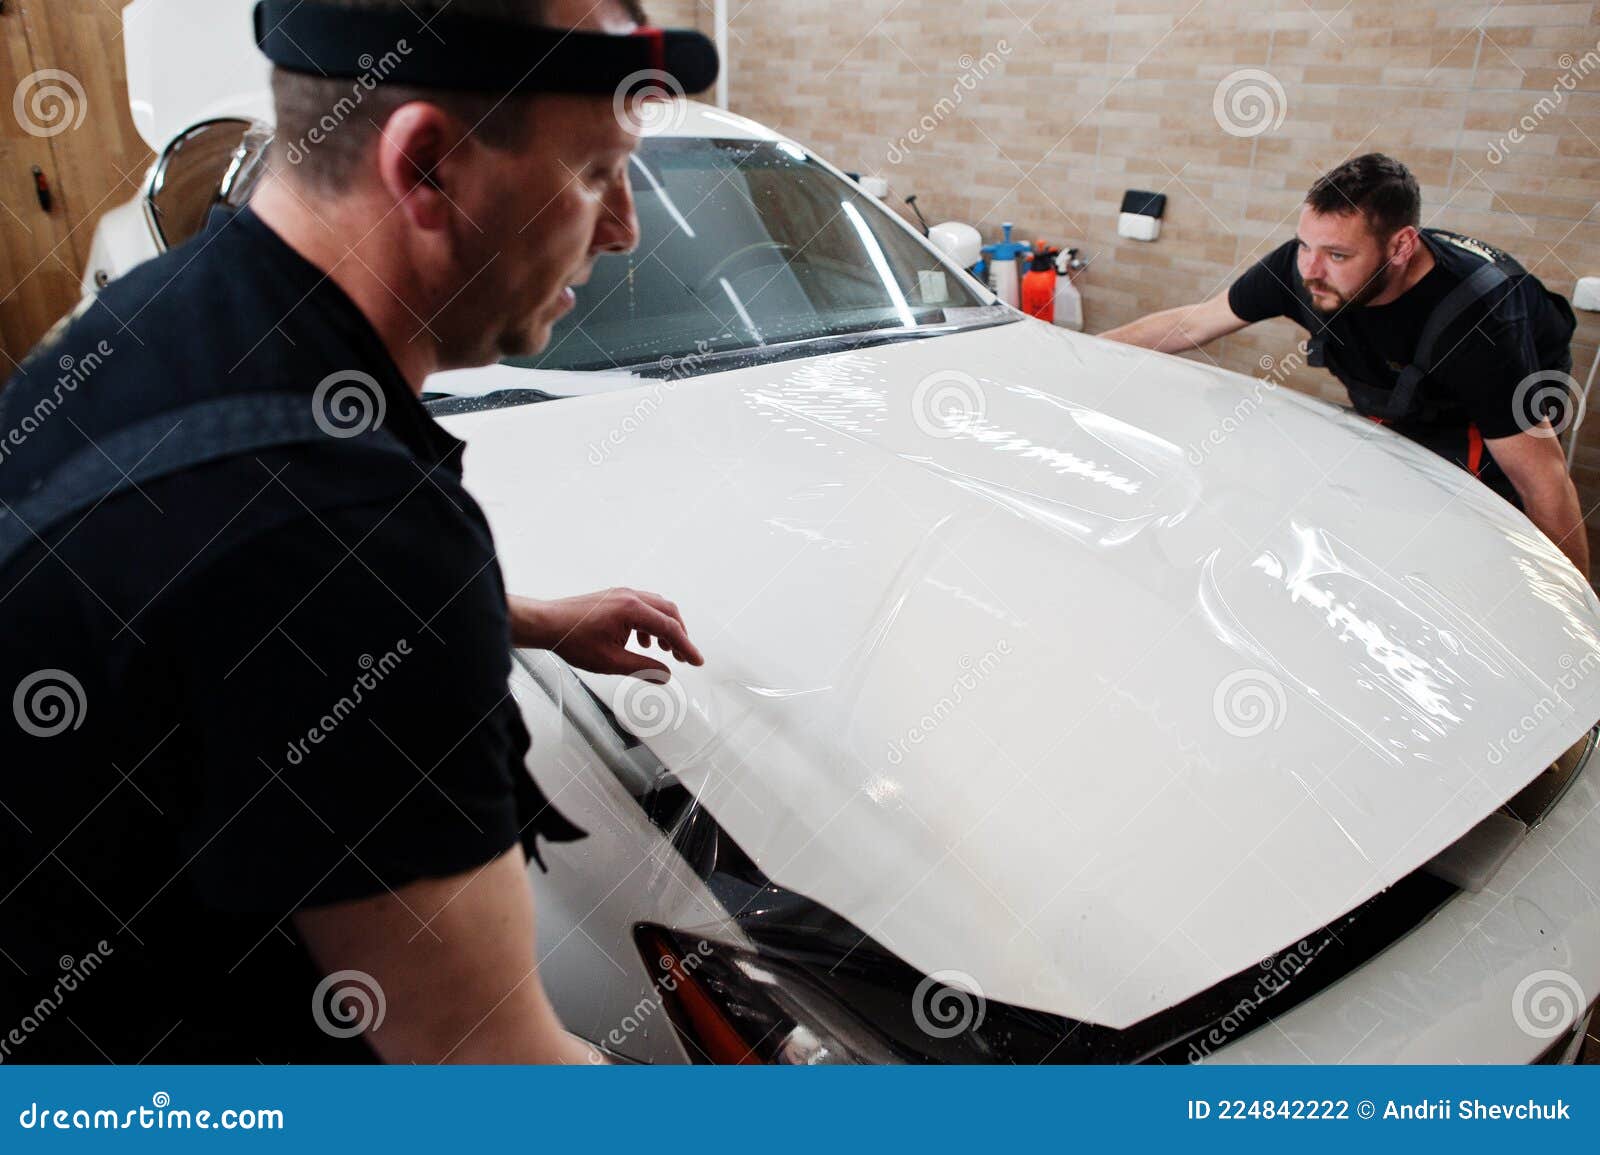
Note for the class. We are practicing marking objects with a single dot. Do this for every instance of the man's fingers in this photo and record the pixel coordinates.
(678, 642)
(660, 603)
(668, 630)
(632, 665)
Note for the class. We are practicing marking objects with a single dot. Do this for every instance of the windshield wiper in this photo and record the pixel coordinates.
(817, 346)
(448, 404)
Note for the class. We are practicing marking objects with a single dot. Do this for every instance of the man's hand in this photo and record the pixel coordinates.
(591, 632)
(1538, 471)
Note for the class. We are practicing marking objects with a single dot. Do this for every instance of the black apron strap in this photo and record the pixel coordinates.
(1401, 402)
(1485, 281)
(1317, 350)
(164, 445)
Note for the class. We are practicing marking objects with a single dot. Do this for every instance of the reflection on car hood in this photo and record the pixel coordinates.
(1093, 674)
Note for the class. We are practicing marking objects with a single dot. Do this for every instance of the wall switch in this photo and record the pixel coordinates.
(1138, 226)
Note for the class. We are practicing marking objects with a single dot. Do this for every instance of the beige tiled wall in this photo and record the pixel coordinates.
(676, 13)
(1052, 109)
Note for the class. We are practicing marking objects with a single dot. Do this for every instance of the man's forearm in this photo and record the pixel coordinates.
(1152, 331)
(1163, 331)
(1554, 509)
(530, 624)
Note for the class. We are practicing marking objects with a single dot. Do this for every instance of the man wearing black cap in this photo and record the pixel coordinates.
(264, 794)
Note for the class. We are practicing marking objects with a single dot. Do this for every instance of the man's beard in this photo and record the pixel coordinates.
(526, 334)
(527, 339)
(1376, 284)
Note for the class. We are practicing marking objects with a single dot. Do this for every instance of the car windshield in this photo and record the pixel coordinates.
(748, 245)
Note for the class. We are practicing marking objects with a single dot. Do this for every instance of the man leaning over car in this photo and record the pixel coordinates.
(1445, 339)
(263, 767)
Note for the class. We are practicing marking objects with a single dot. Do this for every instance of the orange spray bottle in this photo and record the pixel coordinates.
(1039, 284)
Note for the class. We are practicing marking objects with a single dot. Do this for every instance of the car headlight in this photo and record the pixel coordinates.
(730, 1007)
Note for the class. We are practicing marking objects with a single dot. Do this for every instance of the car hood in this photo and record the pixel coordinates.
(1088, 674)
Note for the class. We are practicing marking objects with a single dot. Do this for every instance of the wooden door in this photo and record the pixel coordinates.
(64, 111)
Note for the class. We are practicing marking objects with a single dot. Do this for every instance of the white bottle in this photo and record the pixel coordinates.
(1069, 301)
(1003, 281)
(1069, 304)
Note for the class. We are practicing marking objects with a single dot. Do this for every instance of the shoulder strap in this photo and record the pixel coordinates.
(164, 445)
(1481, 285)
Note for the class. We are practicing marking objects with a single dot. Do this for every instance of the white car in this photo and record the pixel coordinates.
(1063, 701)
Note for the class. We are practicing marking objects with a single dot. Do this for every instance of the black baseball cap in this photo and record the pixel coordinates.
(470, 53)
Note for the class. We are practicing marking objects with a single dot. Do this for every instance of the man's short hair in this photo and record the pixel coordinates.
(325, 127)
(1378, 187)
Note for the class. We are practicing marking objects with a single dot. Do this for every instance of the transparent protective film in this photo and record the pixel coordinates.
(1085, 678)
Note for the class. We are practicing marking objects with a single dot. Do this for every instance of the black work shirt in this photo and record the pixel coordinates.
(268, 683)
(1474, 378)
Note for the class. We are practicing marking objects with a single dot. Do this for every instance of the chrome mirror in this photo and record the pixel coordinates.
(217, 162)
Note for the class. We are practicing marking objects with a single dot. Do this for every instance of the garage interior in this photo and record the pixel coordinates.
(1041, 117)
(1083, 102)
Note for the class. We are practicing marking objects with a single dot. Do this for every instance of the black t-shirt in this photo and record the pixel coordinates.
(1479, 364)
(269, 683)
